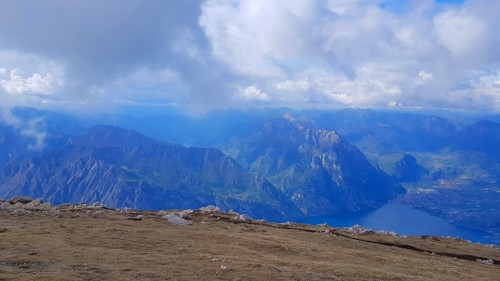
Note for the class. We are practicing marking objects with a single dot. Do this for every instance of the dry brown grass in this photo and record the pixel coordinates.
(76, 245)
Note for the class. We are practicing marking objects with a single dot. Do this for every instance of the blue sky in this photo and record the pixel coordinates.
(99, 56)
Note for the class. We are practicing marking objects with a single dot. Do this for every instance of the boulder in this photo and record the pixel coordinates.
(34, 204)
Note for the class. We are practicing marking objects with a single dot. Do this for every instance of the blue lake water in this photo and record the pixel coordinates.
(403, 219)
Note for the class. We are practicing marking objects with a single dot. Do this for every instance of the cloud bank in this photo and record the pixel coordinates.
(201, 55)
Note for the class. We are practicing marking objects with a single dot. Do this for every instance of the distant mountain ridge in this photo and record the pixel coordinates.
(121, 168)
(112, 136)
(482, 136)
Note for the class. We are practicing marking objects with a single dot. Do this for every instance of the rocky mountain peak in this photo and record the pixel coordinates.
(317, 169)
(292, 121)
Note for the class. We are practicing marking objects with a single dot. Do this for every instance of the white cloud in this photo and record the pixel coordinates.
(253, 93)
(424, 76)
(356, 52)
(302, 53)
(293, 86)
(251, 36)
(463, 33)
(19, 83)
(145, 76)
(29, 80)
(186, 44)
(343, 7)
(31, 129)
(394, 103)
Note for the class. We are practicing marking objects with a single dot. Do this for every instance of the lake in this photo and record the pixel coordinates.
(403, 219)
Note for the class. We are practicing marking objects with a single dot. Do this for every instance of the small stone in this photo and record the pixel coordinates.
(125, 210)
(210, 209)
(223, 267)
(139, 218)
(242, 217)
(184, 214)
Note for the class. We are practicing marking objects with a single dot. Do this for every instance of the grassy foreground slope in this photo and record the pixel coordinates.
(90, 242)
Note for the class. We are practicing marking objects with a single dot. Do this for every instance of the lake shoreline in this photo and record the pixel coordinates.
(405, 220)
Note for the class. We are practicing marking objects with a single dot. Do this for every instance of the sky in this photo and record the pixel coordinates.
(197, 56)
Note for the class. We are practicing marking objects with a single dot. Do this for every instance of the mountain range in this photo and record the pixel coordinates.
(318, 169)
(278, 164)
(313, 172)
(121, 168)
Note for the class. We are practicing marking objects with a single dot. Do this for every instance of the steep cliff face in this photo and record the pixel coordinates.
(121, 168)
(317, 169)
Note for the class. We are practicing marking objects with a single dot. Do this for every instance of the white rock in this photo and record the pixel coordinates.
(96, 205)
(125, 210)
(174, 219)
(210, 209)
(242, 217)
(487, 261)
(356, 229)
